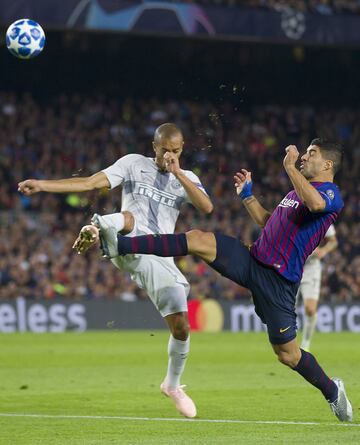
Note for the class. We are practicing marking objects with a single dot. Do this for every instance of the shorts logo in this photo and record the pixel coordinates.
(282, 330)
(330, 193)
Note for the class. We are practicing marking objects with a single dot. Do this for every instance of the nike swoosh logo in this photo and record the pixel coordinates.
(144, 171)
(282, 330)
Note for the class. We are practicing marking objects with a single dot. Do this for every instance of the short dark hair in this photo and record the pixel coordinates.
(331, 150)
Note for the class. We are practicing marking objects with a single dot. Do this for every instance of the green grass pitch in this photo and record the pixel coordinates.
(117, 374)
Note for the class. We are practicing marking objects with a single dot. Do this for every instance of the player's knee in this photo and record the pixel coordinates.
(310, 310)
(198, 241)
(129, 222)
(290, 359)
(195, 236)
(180, 329)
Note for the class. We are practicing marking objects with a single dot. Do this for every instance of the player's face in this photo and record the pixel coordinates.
(312, 162)
(173, 145)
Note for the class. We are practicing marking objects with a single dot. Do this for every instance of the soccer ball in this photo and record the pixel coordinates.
(25, 39)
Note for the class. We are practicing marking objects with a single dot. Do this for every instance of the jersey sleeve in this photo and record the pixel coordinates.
(120, 170)
(331, 195)
(330, 231)
(195, 179)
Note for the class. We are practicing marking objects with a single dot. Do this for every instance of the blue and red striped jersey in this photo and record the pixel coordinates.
(292, 232)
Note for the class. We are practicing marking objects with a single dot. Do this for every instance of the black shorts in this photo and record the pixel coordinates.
(274, 296)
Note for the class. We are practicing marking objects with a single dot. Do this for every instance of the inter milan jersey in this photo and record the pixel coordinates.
(293, 232)
(153, 196)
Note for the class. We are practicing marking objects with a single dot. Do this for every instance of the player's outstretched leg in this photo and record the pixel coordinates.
(306, 365)
(195, 242)
(178, 350)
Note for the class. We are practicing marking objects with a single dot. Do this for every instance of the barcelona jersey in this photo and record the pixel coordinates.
(292, 232)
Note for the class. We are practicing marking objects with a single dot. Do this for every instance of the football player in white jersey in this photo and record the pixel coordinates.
(310, 284)
(153, 190)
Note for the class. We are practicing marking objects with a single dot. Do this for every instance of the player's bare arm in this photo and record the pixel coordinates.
(330, 245)
(70, 185)
(198, 198)
(306, 192)
(257, 212)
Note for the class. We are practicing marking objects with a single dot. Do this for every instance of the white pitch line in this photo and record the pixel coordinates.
(164, 419)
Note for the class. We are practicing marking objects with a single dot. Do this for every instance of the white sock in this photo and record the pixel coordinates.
(308, 330)
(178, 351)
(115, 220)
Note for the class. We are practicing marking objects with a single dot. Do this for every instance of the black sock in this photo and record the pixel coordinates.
(160, 245)
(310, 369)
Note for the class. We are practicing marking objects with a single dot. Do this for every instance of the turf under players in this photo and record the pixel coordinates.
(152, 194)
(309, 289)
(272, 267)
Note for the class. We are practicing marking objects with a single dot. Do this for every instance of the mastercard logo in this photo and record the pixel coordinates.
(206, 315)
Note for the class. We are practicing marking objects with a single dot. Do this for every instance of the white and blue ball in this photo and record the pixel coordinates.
(25, 39)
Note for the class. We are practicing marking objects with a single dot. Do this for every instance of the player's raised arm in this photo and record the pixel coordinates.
(243, 186)
(197, 197)
(305, 191)
(70, 185)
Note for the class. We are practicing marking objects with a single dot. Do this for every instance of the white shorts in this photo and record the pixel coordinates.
(160, 278)
(311, 280)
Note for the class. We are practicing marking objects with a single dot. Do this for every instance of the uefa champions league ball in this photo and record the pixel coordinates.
(25, 39)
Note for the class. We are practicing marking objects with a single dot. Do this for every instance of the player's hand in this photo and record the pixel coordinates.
(292, 155)
(241, 178)
(171, 162)
(29, 187)
(88, 237)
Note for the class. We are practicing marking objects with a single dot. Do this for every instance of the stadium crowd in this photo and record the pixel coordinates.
(74, 135)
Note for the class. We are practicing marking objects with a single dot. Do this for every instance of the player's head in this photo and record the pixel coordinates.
(322, 157)
(167, 138)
